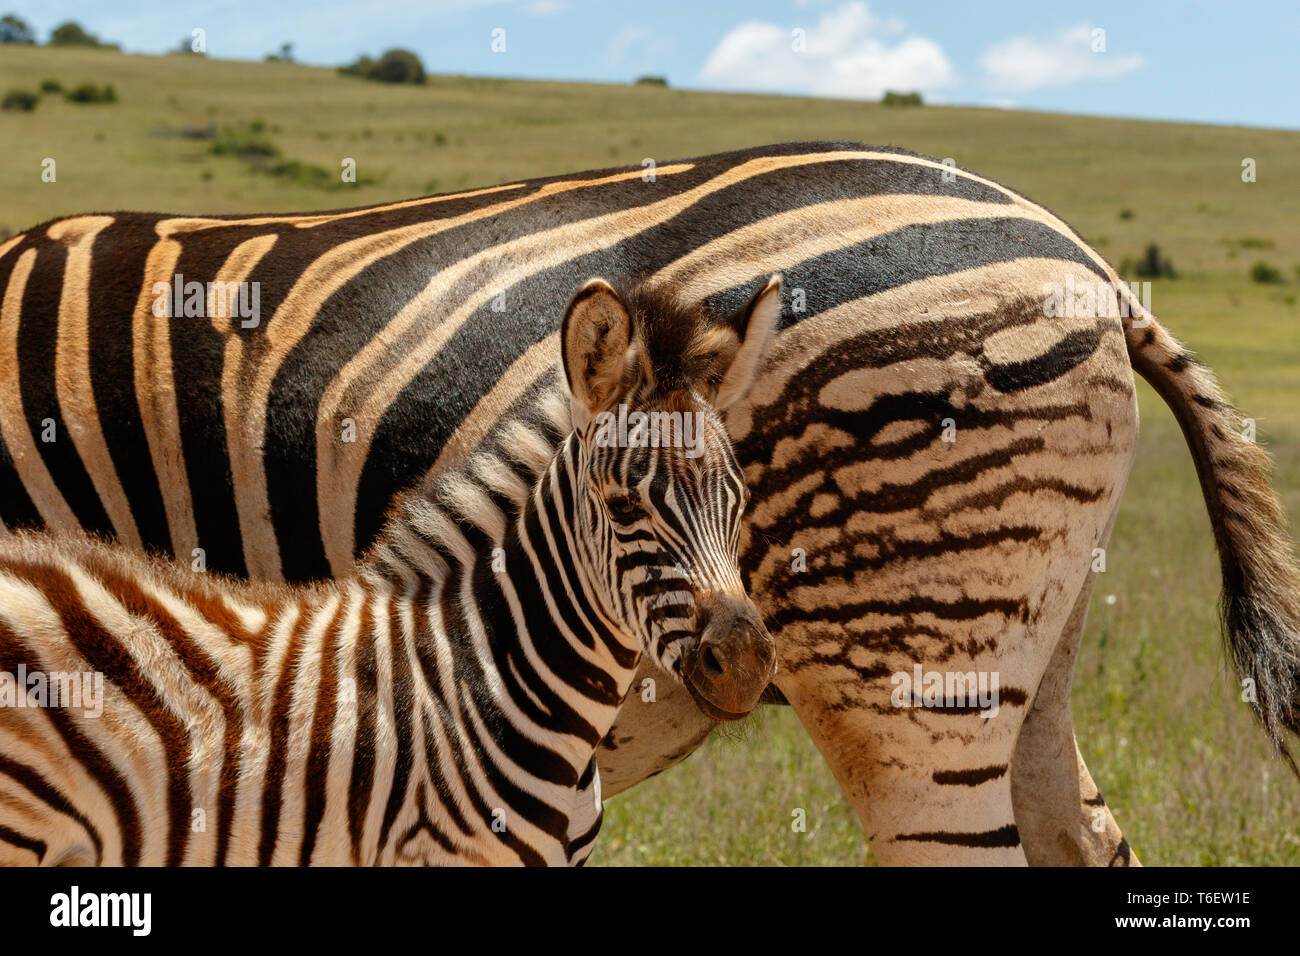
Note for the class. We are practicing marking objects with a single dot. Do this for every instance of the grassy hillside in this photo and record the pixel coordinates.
(1158, 718)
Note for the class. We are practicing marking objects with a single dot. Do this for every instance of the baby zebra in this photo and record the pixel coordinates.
(442, 705)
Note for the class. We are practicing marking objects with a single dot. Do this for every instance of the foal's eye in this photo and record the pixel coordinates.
(624, 508)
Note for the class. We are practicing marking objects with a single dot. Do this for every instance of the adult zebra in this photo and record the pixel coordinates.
(396, 338)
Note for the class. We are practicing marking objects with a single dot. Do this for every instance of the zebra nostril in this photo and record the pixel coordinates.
(709, 659)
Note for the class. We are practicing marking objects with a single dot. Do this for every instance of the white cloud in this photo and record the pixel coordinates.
(637, 47)
(844, 55)
(626, 39)
(1031, 63)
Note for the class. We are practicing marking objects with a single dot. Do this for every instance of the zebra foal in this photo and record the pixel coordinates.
(443, 703)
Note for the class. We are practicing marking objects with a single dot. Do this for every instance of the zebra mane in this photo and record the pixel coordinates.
(677, 346)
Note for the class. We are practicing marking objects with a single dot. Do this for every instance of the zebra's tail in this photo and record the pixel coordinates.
(1260, 605)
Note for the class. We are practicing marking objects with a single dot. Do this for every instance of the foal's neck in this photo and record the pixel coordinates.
(506, 603)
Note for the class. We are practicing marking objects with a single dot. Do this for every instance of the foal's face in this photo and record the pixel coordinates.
(661, 495)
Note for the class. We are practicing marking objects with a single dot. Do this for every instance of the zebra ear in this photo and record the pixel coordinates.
(594, 341)
(755, 324)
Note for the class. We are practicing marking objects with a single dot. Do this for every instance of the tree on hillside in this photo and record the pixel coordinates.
(361, 66)
(73, 34)
(395, 66)
(283, 55)
(13, 30)
(399, 66)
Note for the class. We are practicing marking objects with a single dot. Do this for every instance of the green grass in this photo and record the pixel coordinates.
(1158, 717)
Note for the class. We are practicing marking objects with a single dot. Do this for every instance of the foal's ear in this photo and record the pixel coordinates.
(755, 325)
(594, 341)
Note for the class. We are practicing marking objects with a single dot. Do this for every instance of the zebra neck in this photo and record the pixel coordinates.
(521, 643)
(563, 665)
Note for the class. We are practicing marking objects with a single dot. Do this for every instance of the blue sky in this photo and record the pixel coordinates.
(1159, 59)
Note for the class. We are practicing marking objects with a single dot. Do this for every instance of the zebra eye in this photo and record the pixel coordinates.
(624, 509)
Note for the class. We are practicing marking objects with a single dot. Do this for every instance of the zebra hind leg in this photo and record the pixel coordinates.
(1061, 815)
(930, 789)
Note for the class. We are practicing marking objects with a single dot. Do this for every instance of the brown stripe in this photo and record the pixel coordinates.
(281, 699)
(14, 838)
(403, 721)
(93, 761)
(1007, 836)
(968, 778)
(361, 783)
(41, 789)
(206, 674)
(318, 757)
(107, 654)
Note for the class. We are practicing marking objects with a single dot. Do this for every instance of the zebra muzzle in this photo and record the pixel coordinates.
(732, 662)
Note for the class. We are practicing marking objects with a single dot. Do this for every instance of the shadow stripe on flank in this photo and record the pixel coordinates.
(1007, 836)
(969, 778)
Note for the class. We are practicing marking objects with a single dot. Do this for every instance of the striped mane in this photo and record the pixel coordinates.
(678, 346)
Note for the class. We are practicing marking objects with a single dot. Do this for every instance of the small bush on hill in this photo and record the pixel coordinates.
(245, 143)
(1268, 274)
(901, 99)
(90, 93)
(20, 101)
(1152, 265)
